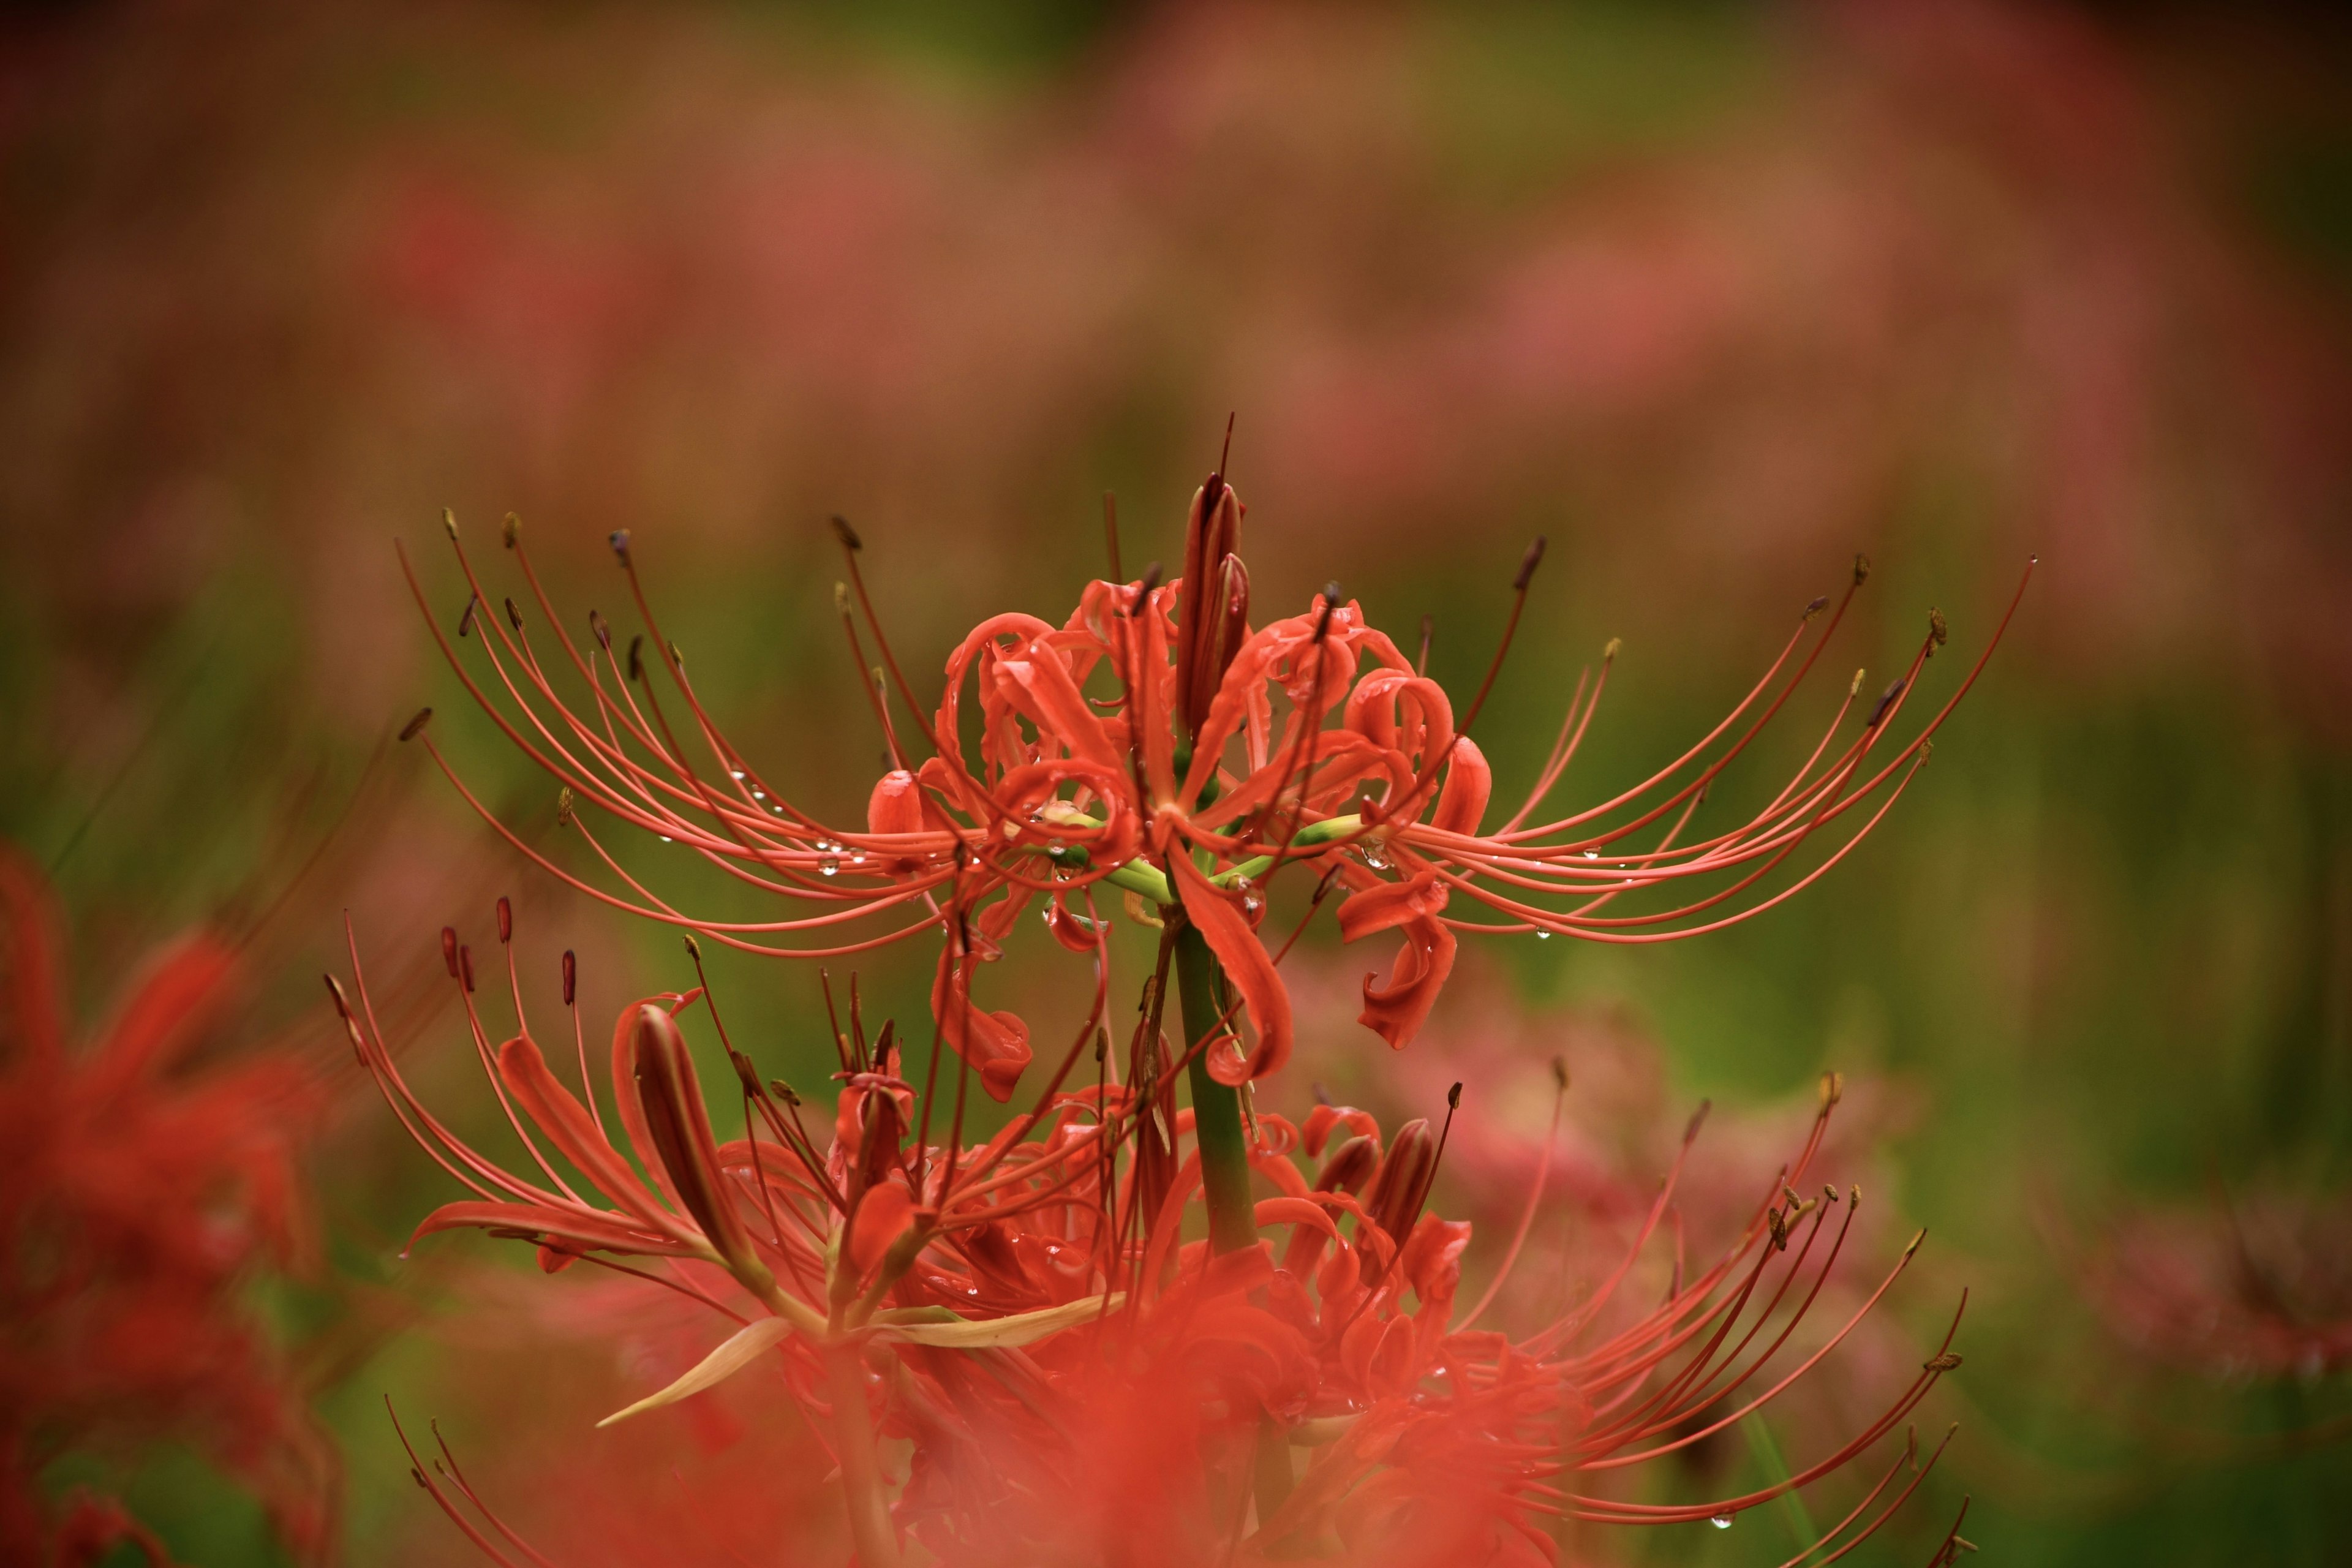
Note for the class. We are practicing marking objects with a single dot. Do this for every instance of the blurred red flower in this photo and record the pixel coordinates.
(139, 1194)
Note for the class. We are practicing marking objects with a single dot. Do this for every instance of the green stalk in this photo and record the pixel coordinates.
(1216, 1109)
(862, 1485)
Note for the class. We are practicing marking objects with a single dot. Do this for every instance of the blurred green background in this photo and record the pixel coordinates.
(1713, 295)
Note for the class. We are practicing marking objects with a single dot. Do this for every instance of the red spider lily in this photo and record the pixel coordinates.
(1172, 782)
(136, 1197)
(1081, 1383)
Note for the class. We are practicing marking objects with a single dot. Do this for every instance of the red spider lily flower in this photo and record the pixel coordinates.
(137, 1195)
(1136, 744)
(1079, 1382)
(1326, 1393)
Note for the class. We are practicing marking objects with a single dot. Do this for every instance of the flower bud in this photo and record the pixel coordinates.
(1351, 1165)
(1403, 1181)
(672, 1098)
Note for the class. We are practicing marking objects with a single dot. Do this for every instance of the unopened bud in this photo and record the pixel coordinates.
(1403, 1180)
(672, 1100)
(1348, 1166)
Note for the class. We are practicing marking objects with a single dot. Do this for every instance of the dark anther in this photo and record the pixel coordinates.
(693, 948)
(514, 614)
(1944, 1363)
(512, 531)
(1817, 607)
(1528, 564)
(1937, 632)
(505, 921)
(450, 521)
(409, 730)
(1885, 700)
(619, 540)
(1697, 1120)
(564, 806)
(596, 624)
(1861, 570)
(1330, 607)
(1453, 1098)
(335, 990)
(1559, 1072)
(449, 950)
(571, 977)
(846, 534)
(465, 620)
(465, 966)
(1779, 1228)
(636, 658)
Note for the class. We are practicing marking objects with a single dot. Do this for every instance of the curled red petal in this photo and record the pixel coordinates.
(1469, 783)
(1397, 1011)
(997, 1044)
(1250, 970)
(1384, 906)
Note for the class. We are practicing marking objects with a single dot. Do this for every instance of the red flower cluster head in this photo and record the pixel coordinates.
(1079, 1383)
(135, 1198)
(1136, 746)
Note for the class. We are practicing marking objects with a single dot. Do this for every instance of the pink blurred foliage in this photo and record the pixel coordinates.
(2250, 1290)
(735, 1474)
(1955, 257)
(140, 1193)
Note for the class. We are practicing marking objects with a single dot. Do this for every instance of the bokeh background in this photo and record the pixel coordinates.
(1714, 295)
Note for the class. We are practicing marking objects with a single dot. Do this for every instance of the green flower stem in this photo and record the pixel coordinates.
(861, 1465)
(1216, 1109)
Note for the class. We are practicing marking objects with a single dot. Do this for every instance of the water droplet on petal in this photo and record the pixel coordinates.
(1721, 1522)
(828, 866)
(734, 772)
(665, 837)
(1542, 935)
(1595, 855)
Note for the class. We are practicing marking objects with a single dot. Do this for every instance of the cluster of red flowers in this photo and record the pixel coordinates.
(1079, 1382)
(136, 1197)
